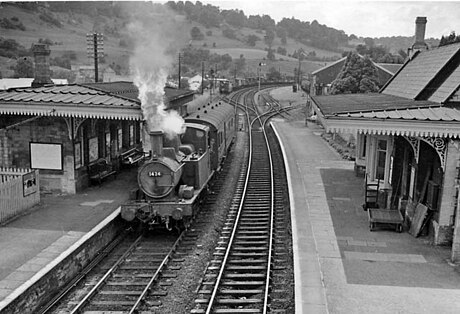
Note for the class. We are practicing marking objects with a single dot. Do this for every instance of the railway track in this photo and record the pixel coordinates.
(147, 291)
(137, 292)
(251, 247)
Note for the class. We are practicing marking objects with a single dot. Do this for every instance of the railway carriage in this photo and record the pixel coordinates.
(172, 181)
(220, 117)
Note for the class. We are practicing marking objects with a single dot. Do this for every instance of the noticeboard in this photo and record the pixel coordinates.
(46, 156)
(29, 183)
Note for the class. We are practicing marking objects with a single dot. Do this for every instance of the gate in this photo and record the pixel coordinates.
(19, 191)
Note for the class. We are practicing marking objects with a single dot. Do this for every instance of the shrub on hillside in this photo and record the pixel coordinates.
(196, 33)
(229, 33)
(8, 24)
(50, 19)
(11, 49)
(251, 40)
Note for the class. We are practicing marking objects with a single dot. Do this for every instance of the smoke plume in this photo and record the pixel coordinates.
(150, 65)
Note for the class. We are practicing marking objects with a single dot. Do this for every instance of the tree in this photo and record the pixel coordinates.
(240, 64)
(281, 33)
(273, 74)
(196, 33)
(270, 54)
(358, 75)
(281, 51)
(269, 37)
(451, 39)
(251, 40)
(24, 68)
(229, 33)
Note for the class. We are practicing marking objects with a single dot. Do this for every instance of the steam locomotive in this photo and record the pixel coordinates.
(172, 181)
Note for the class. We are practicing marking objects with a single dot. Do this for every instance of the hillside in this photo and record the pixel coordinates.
(65, 26)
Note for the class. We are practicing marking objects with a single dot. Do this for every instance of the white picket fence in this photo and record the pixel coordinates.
(19, 191)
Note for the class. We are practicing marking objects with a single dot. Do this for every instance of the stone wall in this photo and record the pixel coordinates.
(52, 282)
(42, 130)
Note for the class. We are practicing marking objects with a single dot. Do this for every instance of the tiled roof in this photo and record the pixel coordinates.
(123, 89)
(69, 101)
(129, 90)
(331, 105)
(447, 88)
(421, 114)
(418, 72)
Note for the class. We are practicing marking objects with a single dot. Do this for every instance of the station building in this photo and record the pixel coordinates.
(63, 129)
(408, 137)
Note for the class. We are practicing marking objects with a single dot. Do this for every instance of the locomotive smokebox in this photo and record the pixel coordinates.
(156, 141)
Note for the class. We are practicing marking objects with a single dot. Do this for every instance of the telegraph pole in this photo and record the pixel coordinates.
(202, 77)
(179, 72)
(95, 49)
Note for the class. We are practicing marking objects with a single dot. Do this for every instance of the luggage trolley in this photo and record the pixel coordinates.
(379, 215)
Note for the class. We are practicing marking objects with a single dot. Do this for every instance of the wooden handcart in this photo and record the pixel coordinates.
(385, 216)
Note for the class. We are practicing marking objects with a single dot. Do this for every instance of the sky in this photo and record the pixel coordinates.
(368, 18)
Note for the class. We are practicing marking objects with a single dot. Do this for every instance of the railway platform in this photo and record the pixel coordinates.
(340, 265)
(33, 243)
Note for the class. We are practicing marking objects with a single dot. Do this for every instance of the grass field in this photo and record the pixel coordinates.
(72, 37)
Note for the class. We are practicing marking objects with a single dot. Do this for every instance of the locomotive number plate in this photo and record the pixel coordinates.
(155, 174)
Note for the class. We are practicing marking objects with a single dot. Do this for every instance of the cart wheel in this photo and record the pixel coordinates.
(399, 228)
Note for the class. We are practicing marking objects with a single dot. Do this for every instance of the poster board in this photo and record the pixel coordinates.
(77, 151)
(93, 149)
(46, 156)
(29, 183)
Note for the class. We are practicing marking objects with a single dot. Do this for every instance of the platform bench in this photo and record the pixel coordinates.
(99, 170)
(132, 156)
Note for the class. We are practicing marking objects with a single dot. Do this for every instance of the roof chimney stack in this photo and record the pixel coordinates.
(42, 66)
(420, 25)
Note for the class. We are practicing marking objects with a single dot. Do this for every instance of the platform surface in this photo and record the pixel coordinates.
(340, 266)
(31, 242)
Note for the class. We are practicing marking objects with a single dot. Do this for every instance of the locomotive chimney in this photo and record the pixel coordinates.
(156, 141)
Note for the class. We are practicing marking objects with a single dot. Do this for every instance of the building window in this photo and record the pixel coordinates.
(381, 159)
(120, 138)
(107, 144)
(131, 135)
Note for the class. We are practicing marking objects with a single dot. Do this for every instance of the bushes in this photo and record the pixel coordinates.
(50, 19)
(11, 49)
(14, 23)
(229, 33)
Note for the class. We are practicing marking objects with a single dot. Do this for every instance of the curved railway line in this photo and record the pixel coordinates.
(252, 245)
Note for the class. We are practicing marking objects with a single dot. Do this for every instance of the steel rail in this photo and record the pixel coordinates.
(54, 301)
(157, 273)
(90, 294)
(240, 209)
(227, 251)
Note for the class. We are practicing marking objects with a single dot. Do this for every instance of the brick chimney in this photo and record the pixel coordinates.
(42, 65)
(420, 25)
